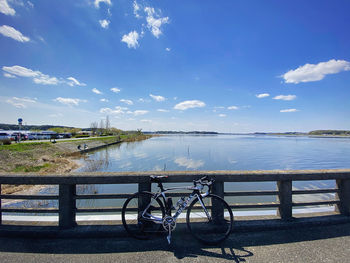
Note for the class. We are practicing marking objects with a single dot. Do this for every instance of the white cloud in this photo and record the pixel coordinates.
(232, 108)
(107, 2)
(167, 49)
(20, 103)
(37, 76)
(188, 104)
(103, 100)
(140, 112)
(262, 95)
(46, 80)
(129, 102)
(136, 9)
(9, 31)
(115, 90)
(117, 111)
(8, 75)
(21, 71)
(285, 97)
(162, 110)
(104, 23)
(315, 72)
(146, 121)
(189, 163)
(6, 9)
(157, 97)
(30, 4)
(131, 39)
(94, 90)
(154, 21)
(289, 110)
(69, 101)
(222, 115)
(72, 82)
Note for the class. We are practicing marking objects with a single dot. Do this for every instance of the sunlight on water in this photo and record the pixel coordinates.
(223, 152)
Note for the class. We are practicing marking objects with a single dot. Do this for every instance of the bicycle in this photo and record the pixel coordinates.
(209, 218)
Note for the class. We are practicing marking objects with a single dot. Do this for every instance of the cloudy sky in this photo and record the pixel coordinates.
(227, 66)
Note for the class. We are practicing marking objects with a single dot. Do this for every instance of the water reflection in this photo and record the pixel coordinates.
(98, 163)
(223, 152)
(189, 163)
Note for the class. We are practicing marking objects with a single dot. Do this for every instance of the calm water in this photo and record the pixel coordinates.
(221, 152)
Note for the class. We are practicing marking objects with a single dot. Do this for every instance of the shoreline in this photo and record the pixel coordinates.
(45, 157)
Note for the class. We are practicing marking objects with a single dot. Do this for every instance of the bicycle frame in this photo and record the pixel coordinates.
(154, 210)
(161, 193)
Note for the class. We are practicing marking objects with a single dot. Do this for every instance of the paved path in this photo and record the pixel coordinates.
(313, 244)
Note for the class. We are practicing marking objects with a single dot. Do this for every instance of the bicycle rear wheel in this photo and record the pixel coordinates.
(210, 223)
(140, 213)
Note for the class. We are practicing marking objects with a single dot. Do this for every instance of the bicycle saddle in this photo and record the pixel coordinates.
(157, 178)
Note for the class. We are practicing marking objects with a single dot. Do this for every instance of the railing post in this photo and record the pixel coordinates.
(67, 205)
(343, 195)
(285, 199)
(145, 187)
(0, 206)
(145, 200)
(218, 209)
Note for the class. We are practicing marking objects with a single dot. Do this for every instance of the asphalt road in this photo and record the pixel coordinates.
(312, 244)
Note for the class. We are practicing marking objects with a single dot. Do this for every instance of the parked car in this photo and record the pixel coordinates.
(15, 136)
(31, 136)
(5, 138)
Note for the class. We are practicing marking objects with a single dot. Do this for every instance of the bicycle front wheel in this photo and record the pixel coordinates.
(142, 215)
(210, 219)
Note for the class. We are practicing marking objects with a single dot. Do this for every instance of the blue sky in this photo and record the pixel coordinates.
(227, 66)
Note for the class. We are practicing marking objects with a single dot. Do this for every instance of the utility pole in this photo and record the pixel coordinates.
(20, 121)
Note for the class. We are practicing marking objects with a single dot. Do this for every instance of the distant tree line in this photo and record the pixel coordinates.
(181, 132)
(329, 132)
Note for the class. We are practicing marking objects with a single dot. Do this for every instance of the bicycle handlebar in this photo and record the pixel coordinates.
(204, 181)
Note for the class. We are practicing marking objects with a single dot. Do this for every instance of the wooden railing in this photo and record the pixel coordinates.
(67, 209)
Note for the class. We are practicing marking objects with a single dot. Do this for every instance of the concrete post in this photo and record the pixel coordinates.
(218, 209)
(343, 195)
(285, 199)
(145, 200)
(0, 207)
(67, 205)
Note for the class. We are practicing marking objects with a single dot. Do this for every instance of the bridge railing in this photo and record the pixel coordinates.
(67, 195)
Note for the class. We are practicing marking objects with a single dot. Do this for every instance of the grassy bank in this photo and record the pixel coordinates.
(44, 157)
(47, 157)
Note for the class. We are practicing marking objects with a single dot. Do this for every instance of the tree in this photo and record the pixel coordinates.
(57, 129)
(102, 127)
(94, 127)
(107, 125)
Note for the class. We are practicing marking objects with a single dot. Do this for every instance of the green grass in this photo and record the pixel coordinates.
(30, 169)
(22, 147)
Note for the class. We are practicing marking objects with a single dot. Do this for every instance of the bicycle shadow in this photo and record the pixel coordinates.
(238, 247)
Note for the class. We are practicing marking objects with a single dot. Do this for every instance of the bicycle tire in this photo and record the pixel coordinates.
(214, 230)
(136, 225)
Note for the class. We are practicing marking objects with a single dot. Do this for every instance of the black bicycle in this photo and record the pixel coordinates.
(209, 218)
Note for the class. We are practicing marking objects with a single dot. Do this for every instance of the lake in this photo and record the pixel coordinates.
(214, 152)
(220, 152)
